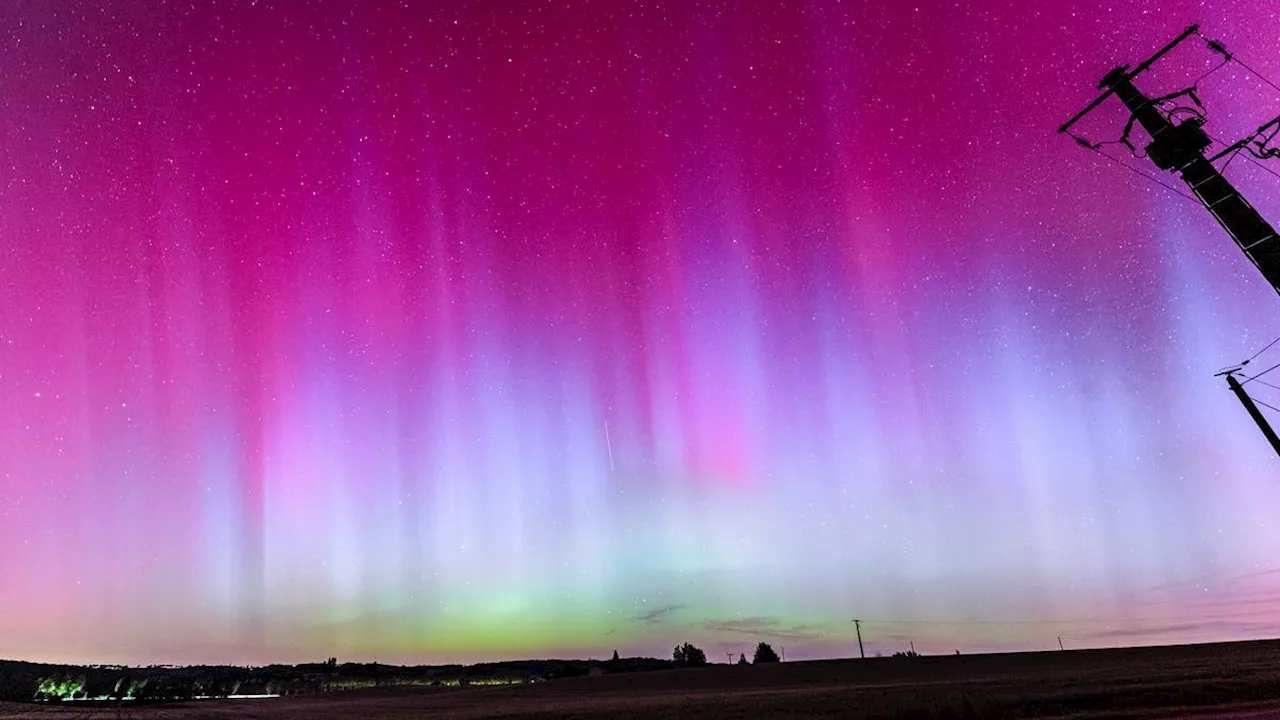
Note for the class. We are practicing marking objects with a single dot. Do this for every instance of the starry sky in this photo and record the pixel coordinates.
(452, 331)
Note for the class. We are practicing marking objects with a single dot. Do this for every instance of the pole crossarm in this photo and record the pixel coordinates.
(1129, 75)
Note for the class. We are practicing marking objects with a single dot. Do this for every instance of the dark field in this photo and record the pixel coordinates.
(1237, 680)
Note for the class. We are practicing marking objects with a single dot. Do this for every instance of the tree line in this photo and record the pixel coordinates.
(687, 655)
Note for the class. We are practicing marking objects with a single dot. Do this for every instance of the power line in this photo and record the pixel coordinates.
(1239, 148)
(1232, 157)
(1266, 405)
(1248, 156)
(1264, 350)
(1209, 72)
(1255, 161)
(1264, 382)
(1135, 170)
(1232, 57)
(1261, 77)
(1219, 48)
(1264, 372)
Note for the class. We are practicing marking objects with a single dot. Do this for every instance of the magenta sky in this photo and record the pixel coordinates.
(433, 331)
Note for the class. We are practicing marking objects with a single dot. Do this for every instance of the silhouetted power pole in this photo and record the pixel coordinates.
(857, 627)
(1253, 410)
(1180, 147)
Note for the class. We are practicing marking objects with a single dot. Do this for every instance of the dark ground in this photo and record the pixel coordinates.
(1235, 680)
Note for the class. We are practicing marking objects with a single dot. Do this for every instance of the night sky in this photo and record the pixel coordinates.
(450, 331)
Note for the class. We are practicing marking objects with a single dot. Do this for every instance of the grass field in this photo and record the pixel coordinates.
(1236, 680)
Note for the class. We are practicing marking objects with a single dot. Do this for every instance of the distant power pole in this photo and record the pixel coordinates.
(729, 658)
(857, 626)
(913, 646)
(1060, 644)
(784, 653)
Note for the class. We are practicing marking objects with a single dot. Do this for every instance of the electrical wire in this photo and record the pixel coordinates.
(1261, 77)
(1232, 57)
(1247, 156)
(1264, 382)
(1268, 133)
(1264, 372)
(1230, 157)
(1130, 168)
(1260, 164)
(1259, 402)
(1264, 349)
(1209, 72)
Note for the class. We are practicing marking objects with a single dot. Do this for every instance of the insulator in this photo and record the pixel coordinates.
(1217, 47)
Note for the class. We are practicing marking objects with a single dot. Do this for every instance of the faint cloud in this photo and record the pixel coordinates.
(653, 617)
(1214, 580)
(1163, 631)
(763, 626)
(1126, 633)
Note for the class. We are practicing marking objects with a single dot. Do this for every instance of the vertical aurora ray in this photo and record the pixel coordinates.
(454, 331)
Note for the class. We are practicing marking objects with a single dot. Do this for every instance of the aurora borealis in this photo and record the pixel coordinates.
(450, 331)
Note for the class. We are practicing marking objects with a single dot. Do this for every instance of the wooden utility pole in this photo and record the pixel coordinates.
(1253, 411)
(857, 626)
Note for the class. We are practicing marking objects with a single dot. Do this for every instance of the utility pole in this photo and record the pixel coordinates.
(857, 626)
(1253, 410)
(1060, 644)
(1180, 147)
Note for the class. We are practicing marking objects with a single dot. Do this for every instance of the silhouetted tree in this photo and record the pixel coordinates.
(765, 654)
(615, 656)
(742, 659)
(687, 654)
